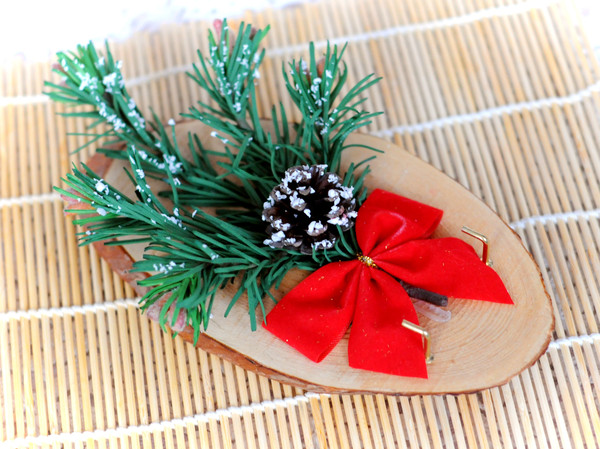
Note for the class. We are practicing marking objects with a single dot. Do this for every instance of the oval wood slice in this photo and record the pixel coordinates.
(482, 346)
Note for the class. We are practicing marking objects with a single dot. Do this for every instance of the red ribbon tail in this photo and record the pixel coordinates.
(378, 341)
(314, 316)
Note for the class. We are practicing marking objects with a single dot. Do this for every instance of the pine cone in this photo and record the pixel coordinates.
(305, 208)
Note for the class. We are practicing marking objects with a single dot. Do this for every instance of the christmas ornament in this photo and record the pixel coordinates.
(268, 199)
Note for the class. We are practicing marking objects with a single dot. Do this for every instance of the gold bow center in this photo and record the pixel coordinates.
(366, 260)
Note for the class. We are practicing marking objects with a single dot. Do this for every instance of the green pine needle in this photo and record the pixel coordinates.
(193, 254)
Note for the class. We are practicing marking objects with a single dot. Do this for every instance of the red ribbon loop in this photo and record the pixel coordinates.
(393, 232)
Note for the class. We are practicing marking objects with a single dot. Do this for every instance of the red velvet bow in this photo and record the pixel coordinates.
(393, 232)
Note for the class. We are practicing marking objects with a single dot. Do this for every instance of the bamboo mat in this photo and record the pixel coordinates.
(501, 95)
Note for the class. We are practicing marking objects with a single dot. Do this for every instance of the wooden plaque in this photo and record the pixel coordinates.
(482, 346)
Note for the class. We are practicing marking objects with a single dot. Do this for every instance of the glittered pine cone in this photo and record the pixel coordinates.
(305, 210)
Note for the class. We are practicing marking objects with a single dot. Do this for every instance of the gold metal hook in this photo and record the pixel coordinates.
(419, 330)
(483, 239)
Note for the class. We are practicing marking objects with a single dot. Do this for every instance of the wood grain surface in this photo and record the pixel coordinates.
(482, 346)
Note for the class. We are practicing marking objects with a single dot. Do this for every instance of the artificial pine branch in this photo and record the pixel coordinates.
(193, 254)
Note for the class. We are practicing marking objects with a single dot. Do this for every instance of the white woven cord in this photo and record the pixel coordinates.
(555, 218)
(493, 112)
(579, 339)
(20, 100)
(29, 199)
(465, 19)
(125, 302)
(519, 224)
(488, 13)
(217, 415)
(471, 117)
(67, 310)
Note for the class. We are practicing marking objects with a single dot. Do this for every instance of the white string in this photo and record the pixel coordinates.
(114, 305)
(555, 218)
(500, 11)
(29, 199)
(21, 100)
(492, 112)
(579, 339)
(68, 310)
(217, 415)
(415, 127)
(488, 13)
(519, 224)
